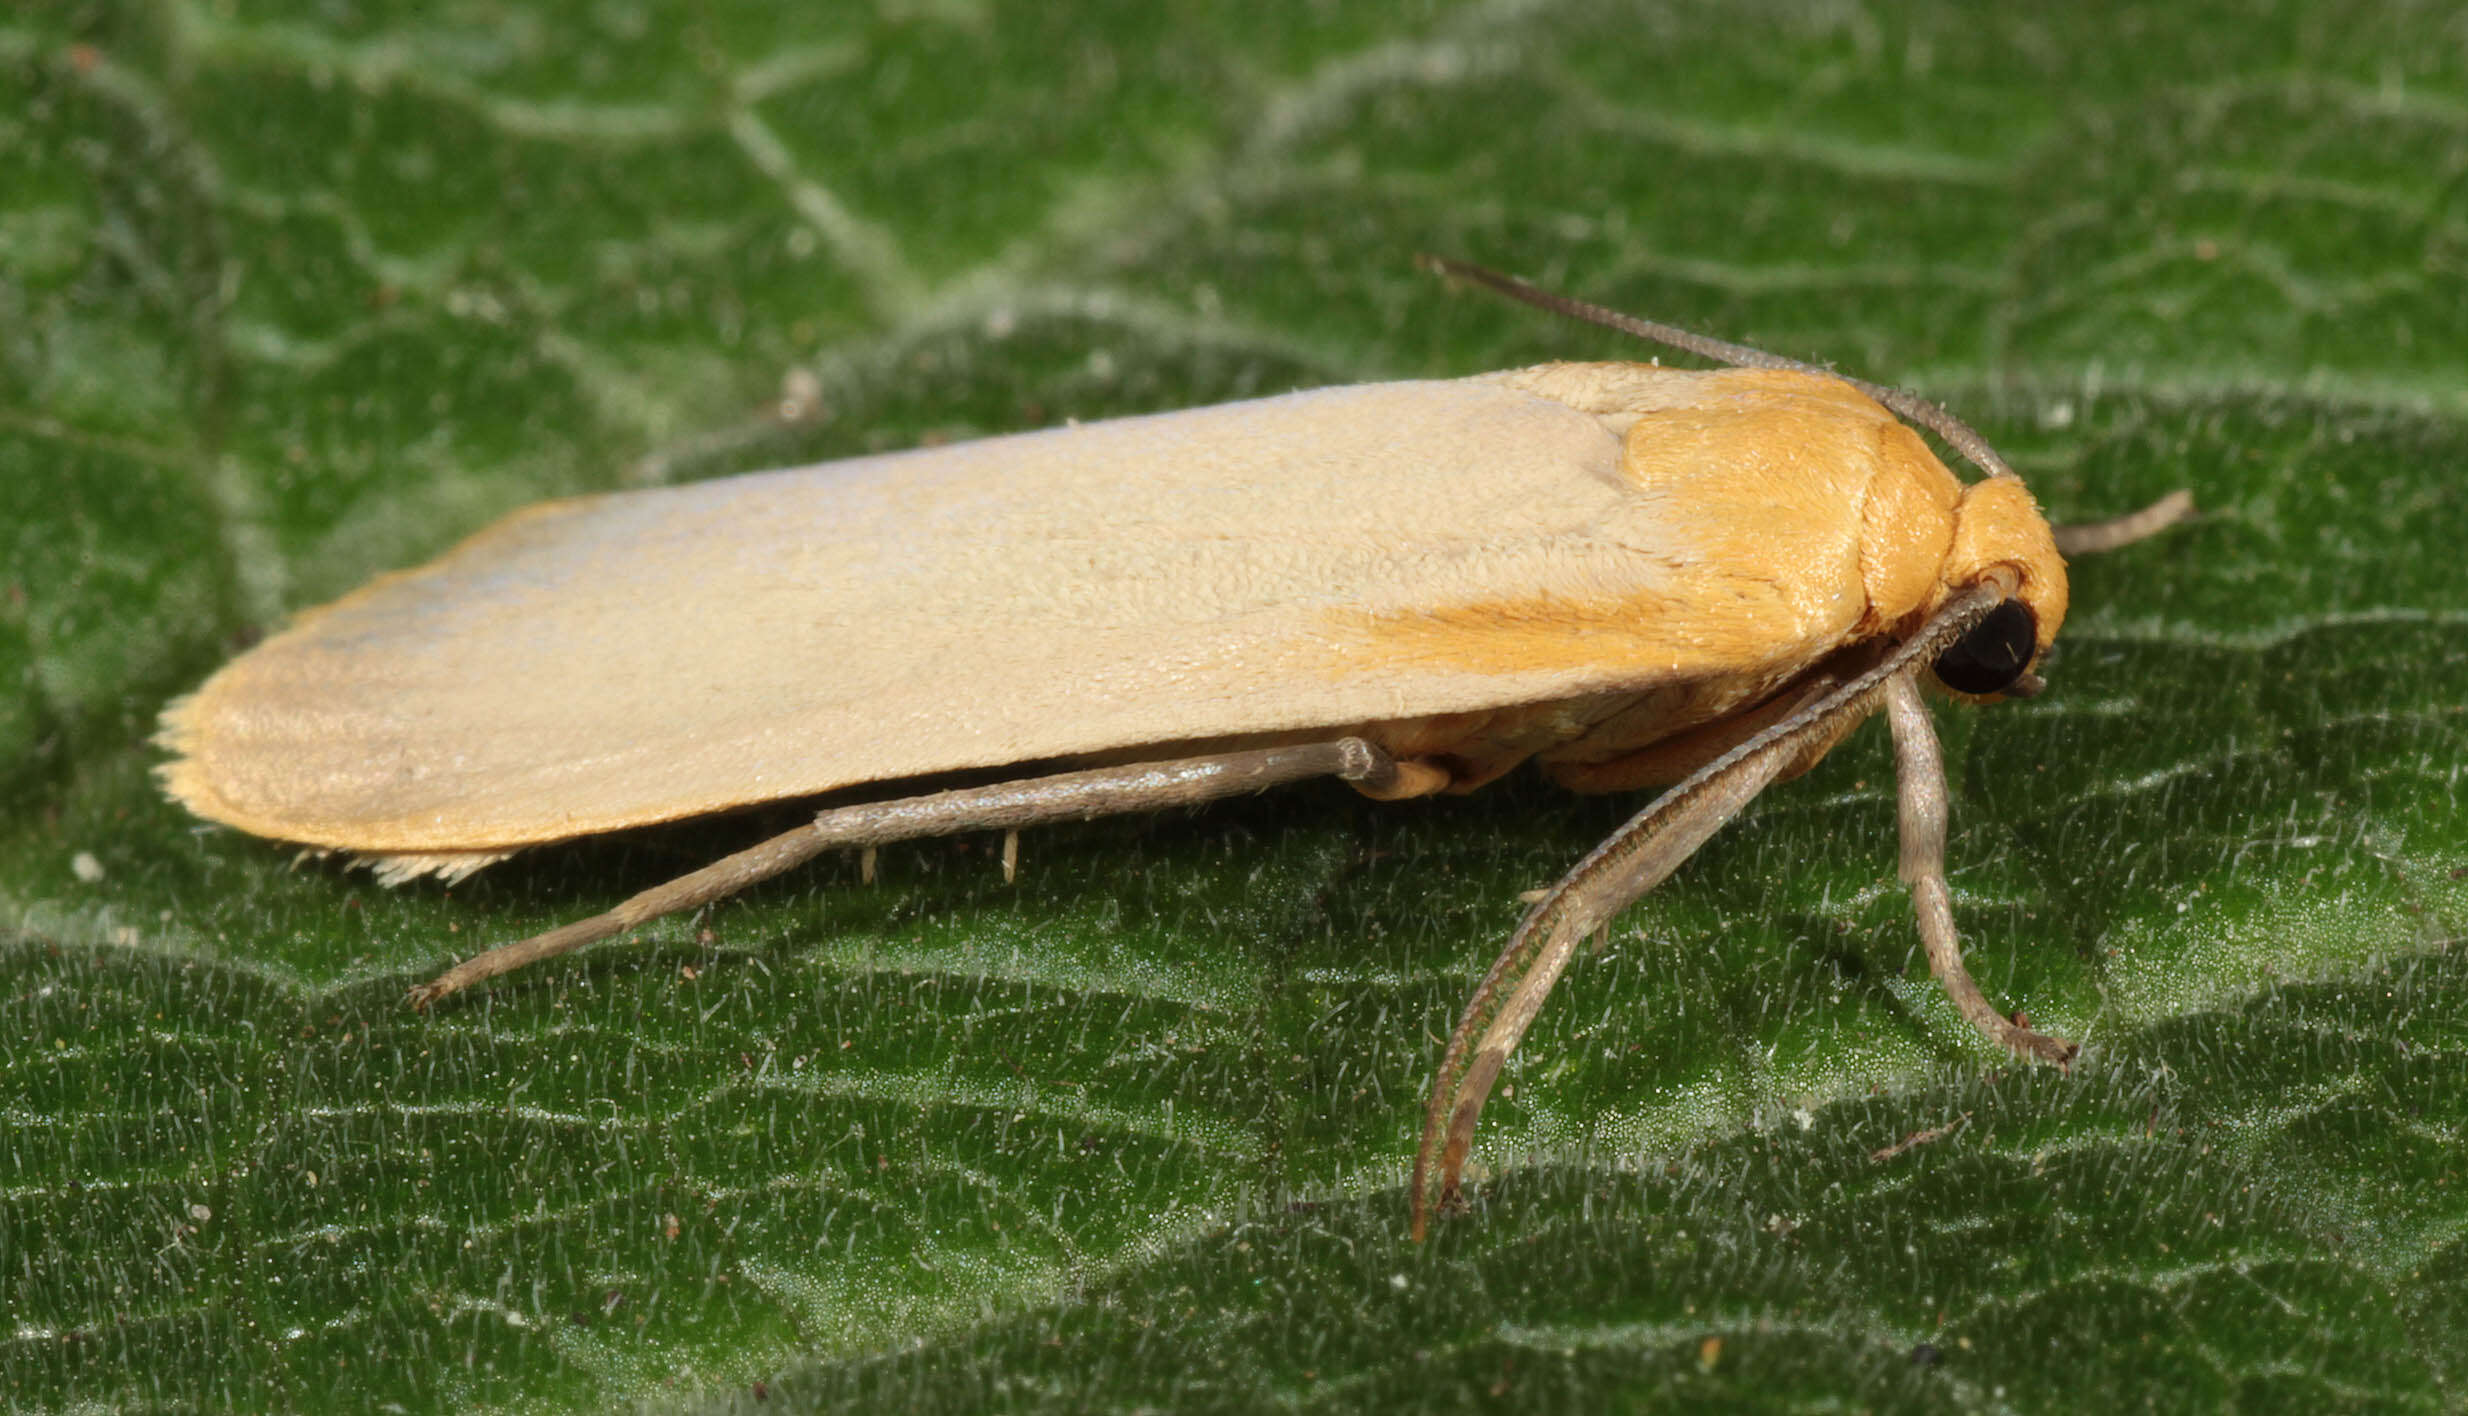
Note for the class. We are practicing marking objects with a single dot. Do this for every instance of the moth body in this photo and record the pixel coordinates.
(1631, 575)
(1586, 564)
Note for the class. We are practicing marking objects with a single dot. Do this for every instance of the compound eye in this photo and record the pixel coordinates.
(1992, 654)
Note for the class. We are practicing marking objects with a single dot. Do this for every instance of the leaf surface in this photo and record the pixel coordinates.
(290, 296)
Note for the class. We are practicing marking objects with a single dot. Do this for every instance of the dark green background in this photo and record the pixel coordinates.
(292, 294)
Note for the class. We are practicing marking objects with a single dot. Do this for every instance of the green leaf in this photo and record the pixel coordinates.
(290, 296)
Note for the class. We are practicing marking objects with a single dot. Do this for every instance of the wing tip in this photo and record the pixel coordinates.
(185, 778)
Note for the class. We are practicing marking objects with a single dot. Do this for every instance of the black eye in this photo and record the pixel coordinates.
(1993, 653)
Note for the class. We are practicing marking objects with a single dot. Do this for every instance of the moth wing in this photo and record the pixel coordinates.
(1314, 562)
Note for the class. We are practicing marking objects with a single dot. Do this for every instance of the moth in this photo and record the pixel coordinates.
(1631, 575)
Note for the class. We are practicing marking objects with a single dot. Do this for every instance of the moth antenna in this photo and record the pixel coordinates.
(1958, 434)
(2092, 537)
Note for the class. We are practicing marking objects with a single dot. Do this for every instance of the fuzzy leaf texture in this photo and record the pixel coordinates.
(294, 294)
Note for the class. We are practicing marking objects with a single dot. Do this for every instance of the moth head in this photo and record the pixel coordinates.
(2000, 538)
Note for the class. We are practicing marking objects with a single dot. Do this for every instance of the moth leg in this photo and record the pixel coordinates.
(1674, 759)
(2092, 537)
(1003, 806)
(1919, 769)
(1635, 859)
